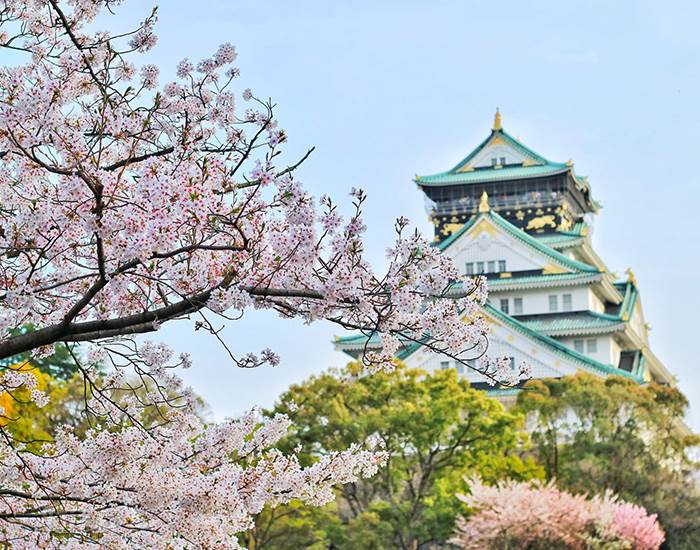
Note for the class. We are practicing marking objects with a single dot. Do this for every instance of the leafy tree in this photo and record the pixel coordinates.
(592, 434)
(435, 429)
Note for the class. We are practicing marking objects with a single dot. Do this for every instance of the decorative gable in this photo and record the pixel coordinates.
(497, 152)
(487, 240)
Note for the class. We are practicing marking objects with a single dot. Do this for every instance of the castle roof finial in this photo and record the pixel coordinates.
(630, 276)
(484, 203)
(497, 120)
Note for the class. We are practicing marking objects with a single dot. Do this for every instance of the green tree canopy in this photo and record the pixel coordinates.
(593, 434)
(436, 430)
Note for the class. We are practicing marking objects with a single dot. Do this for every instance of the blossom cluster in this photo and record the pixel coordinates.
(15, 379)
(519, 514)
(126, 205)
(188, 485)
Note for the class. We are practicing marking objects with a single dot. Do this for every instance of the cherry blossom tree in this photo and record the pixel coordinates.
(532, 515)
(125, 205)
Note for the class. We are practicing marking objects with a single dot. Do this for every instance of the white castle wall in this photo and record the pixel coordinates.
(607, 348)
(536, 301)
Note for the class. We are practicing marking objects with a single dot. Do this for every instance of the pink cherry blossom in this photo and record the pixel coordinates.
(126, 206)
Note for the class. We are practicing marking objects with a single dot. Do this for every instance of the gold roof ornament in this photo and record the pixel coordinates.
(630, 276)
(569, 162)
(484, 203)
(497, 120)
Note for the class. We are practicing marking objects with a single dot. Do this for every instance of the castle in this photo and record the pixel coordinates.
(524, 222)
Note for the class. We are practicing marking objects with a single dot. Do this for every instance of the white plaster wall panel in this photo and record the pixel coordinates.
(637, 321)
(536, 301)
(595, 303)
(607, 351)
(615, 352)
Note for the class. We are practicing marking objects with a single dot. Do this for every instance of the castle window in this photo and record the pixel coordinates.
(492, 267)
(503, 161)
(553, 303)
(444, 365)
(460, 368)
(494, 161)
(567, 302)
(501, 265)
(479, 267)
(512, 363)
(517, 305)
(591, 345)
(504, 305)
(578, 345)
(470, 268)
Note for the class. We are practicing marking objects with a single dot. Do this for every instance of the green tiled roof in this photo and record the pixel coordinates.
(510, 140)
(536, 281)
(588, 322)
(562, 239)
(522, 236)
(539, 166)
(359, 341)
(544, 340)
(558, 346)
(485, 175)
(630, 295)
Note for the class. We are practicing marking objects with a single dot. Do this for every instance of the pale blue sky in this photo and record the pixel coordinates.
(385, 90)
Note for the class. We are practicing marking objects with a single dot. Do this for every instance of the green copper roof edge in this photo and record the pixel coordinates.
(602, 316)
(543, 339)
(501, 175)
(560, 245)
(532, 241)
(537, 281)
(617, 327)
(606, 316)
(361, 338)
(629, 299)
(561, 348)
(472, 154)
(355, 339)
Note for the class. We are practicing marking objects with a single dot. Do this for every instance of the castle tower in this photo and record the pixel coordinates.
(522, 221)
(525, 188)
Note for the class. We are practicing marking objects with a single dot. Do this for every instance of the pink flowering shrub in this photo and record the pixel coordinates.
(540, 516)
(633, 523)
